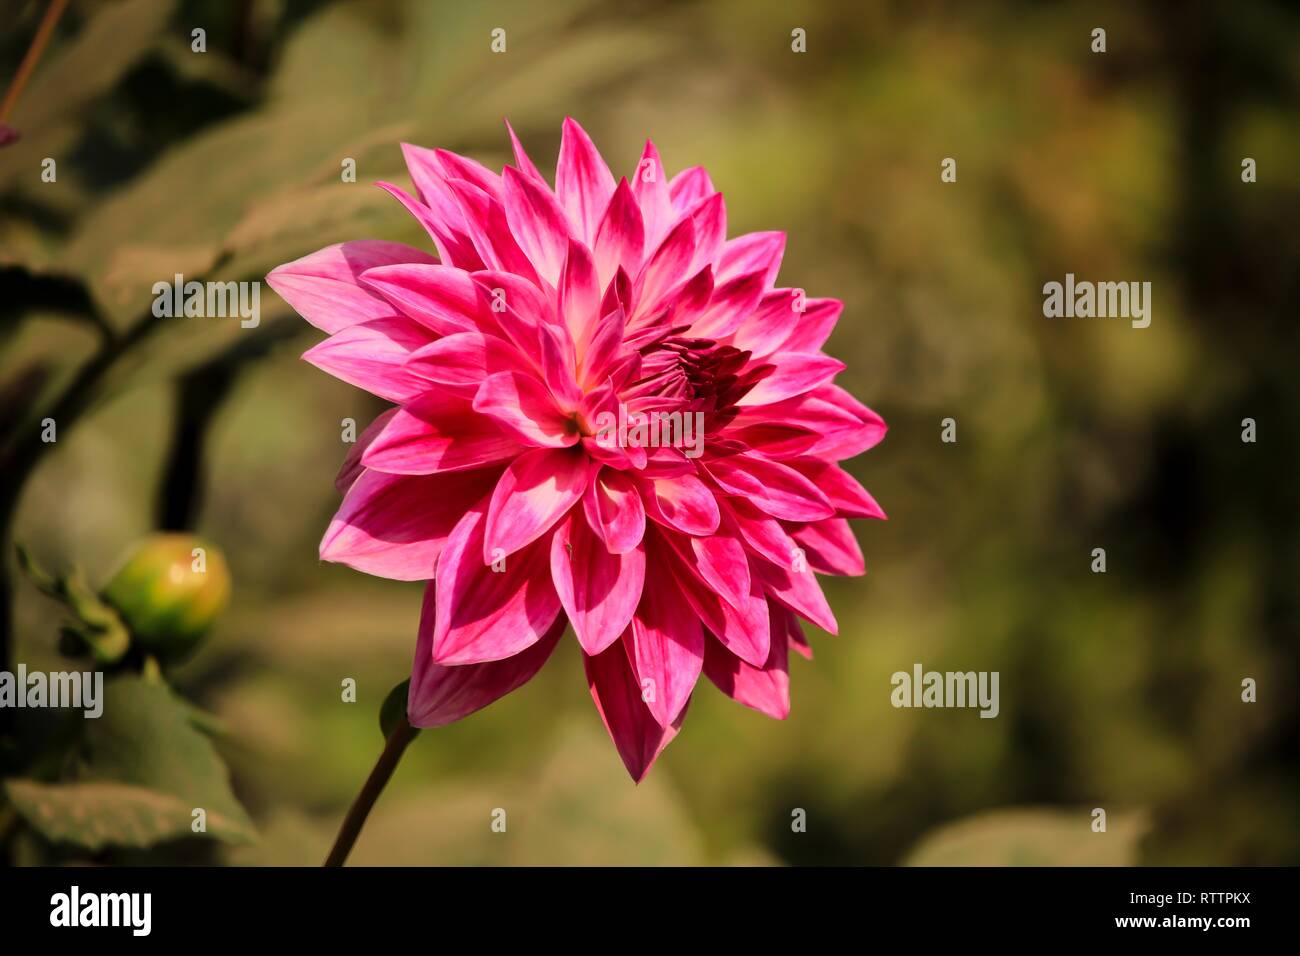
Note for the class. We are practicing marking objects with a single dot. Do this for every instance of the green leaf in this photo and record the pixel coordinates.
(144, 769)
(1032, 836)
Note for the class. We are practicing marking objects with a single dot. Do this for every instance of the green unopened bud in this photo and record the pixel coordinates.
(169, 592)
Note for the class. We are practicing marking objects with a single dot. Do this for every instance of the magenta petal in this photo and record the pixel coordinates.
(762, 533)
(537, 222)
(489, 612)
(710, 218)
(769, 326)
(744, 629)
(795, 374)
(798, 590)
(636, 734)
(454, 247)
(845, 494)
(583, 182)
(579, 296)
(395, 526)
(650, 187)
(441, 695)
(372, 356)
(774, 488)
(522, 162)
(766, 689)
(438, 432)
(620, 238)
(614, 511)
(682, 502)
(351, 469)
(755, 251)
(830, 548)
(599, 590)
(732, 300)
(814, 325)
(665, 269)
(440, 297)
(535, 491)
(324, 287)
(690, 186)
(488, 226)
(666, 647)
(463, 360)
(525, 407)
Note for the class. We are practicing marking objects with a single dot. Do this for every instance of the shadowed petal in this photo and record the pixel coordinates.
(771, 486)
(666, 647)
(614, 511)
(766, 689)
(438, 432)
(441, 695)
(795, 374)
(637, 736)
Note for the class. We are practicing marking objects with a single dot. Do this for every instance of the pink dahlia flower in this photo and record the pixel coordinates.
(606, 415)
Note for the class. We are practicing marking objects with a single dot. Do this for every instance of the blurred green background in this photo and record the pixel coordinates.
(1119, 690)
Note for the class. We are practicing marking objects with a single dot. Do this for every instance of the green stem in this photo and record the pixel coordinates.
(394, 747)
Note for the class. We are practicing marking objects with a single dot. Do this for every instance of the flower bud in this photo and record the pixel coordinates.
(169, 592)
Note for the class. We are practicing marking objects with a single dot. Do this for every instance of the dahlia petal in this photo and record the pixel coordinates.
(830, 547)
(710, 218)
(603, 349)
(769, 326)
(744, 629)
(614, 510)
(754, 251)
(846, 443)
(442, 298)
(771, 486)
(579, 296)
(524, 407)
(845, 494)
(620, 237)
(324, 289)
(666, 647)
(599, 590)
(814, 325)
(766, 689)
(537, 222)
(431, 186)
(395, 526)
(535, 491)
(486, 614)
(763, 533)
(351, 469)
(522, 162)
(440, 695)
(372, 355)
(583, 183)
(558, 367)
(784, 619)
(775, 439)
(650, 187)
(795, 374)
(456, 166)
(438, 432)
(487, 222)
(454, 247)
(463, 360)
(681, 502)
(732, 300)
(637, 736)
(797, 590)
(690, 186)
(665, 269)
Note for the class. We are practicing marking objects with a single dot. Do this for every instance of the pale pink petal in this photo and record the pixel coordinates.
(583, 182)
(395, 526)
(579, 296)
(599, 590)
(752, 252)
(795, 374)
(537, 489)
(523, 406)
(637, 736)
(324, 287)
(456, 166)
(522, 162)
(487, 612)
(463, 360)
(438, 432)
(690, 186)
(614, 510)
(650, 187)
(440, 695)
(372, 356)
(537, 222)
(666, 646)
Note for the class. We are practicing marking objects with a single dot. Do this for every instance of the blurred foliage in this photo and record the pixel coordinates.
(1119, 690)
